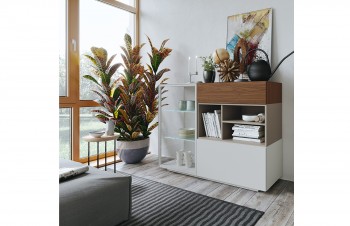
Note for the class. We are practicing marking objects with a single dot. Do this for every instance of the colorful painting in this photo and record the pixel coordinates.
(256, 30)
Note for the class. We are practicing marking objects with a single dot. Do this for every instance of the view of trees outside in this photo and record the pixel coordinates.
(62, 50)
(65, 133)
(101, 25)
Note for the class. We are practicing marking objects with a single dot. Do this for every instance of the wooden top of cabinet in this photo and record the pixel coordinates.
(240, 92)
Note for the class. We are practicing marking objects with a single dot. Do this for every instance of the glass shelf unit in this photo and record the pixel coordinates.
(171, 119)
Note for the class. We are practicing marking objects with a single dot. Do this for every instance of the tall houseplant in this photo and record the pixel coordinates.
(135, 98)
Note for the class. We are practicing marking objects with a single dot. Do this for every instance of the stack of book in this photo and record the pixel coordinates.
(212, 122)
(248, 133)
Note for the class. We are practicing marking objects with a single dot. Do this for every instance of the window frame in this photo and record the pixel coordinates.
(72, 100)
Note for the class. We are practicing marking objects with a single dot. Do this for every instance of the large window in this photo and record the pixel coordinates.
(83, 24)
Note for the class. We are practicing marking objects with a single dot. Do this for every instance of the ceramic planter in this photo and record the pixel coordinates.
(132, 152)
(209, 76)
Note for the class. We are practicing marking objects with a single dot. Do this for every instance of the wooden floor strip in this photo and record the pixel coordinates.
(290, 221)
(241, 197)
(262, 200)
(281, 209)
(223, 191)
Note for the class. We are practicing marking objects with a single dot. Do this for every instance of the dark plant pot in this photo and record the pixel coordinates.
(209, 76)
(132, 152)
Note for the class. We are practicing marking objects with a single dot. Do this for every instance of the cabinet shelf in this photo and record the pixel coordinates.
(180, 138)
(243, 122)
(233, 141)
(171, 165)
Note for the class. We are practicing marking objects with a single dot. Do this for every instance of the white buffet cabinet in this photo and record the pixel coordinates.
(246, 164)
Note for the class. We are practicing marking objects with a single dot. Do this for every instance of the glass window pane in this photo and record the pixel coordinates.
(128, 2)
(101, 25)
(62, 50)
(89, 123)
(65, 133)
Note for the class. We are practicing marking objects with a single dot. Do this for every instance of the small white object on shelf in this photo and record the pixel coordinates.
(250, 118)
(179, 158)
(190, 105)
(188, 159)
(186, 132)
(96, 134)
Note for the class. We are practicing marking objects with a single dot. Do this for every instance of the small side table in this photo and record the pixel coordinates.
(98, 140)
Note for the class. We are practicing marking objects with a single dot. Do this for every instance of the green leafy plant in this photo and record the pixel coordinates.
(208, 63)
(103, 70)
(133, 96)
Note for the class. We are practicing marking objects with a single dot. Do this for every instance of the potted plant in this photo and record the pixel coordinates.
(208, 68)
(135, 99)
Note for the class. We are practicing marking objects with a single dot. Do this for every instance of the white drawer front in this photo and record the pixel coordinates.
(237, 164)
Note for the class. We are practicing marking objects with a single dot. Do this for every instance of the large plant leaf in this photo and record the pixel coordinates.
(163, 44)
(110, 60)
(102, 113)
(152, 127)
(89, 77)
(161, 72)
(113, 69)
(156, 60)
(134, 135)
(91, 59)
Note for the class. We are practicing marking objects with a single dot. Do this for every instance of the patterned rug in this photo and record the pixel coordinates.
(157, 204)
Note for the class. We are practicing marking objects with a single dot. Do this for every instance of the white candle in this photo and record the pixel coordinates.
(189, 63)
(196, 64)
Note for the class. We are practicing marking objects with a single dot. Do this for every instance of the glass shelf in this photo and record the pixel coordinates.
(180, 138)
(171, 165)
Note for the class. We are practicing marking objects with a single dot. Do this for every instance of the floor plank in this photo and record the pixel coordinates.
(223, 191)
(241, 196)
(277, 202)
(290, 221)
(262, 200)
(281, 209)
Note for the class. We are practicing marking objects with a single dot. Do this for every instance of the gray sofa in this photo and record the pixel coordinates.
(94, 198)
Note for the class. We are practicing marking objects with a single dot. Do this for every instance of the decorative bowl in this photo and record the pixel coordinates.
(96, 134)
(249, 118)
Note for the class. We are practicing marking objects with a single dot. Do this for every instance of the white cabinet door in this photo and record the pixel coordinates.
(232, 163)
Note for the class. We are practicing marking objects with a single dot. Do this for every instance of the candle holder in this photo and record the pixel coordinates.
(191, 74)
(189, 70)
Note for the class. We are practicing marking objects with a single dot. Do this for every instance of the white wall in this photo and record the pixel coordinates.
(198, 27)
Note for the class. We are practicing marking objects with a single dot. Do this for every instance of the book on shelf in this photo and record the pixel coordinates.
(211, 121)
(257, 140)
(247, 127)
(248, 132)
(217, 114)
(205, 124)
(249, 135)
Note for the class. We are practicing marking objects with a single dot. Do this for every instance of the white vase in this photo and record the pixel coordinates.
(179, 158)
(188, 159)
(109, 128)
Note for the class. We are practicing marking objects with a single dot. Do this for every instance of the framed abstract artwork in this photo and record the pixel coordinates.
(249, 31)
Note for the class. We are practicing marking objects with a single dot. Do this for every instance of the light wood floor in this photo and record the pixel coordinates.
(277, 202)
